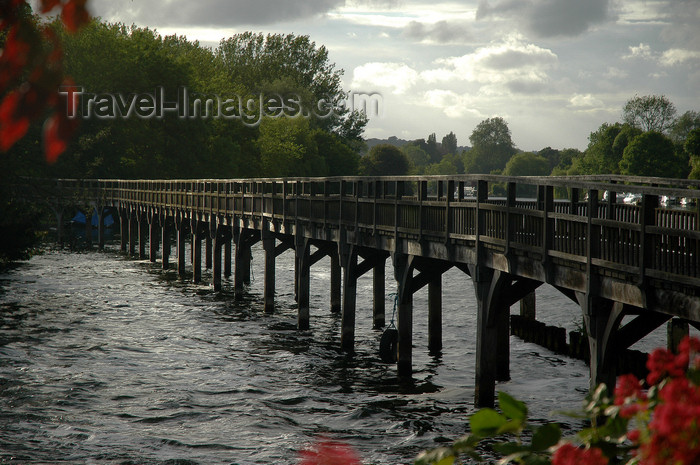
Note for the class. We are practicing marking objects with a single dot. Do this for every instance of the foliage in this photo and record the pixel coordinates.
(492, 147)
(384, 160)
(31, 72)
(599, 157)
(657, 426)
(416, 155)
(445, 167)
(652, 154)
(527, 164)
(649, 113)
(684, 125)
(17, 223)
(449, 143)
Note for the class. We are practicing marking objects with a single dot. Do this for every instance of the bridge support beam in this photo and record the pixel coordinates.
(123, 229)
(528, 306)
(133, 233)
(269, 279)
(347, 325)
(243, 239)
(336, 282)
(181, 227)
(491, 323)
(143, 234)
(676, 330)
(197, 232)
(379, 294)
(227, 256)
(153, 233)
(165, 239)
(207, 252)
(219, 233)
(303, 277)
(435, 315)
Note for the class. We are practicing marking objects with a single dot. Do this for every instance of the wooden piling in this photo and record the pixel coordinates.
(379, 294)
(216, 265)
(336, 283)
(435, 315)
(269, 284)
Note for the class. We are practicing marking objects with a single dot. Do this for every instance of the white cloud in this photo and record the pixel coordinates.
(454, 105)
(396, 76)
(517, 65)
(639, 51)
(677, 56)
(586, 101)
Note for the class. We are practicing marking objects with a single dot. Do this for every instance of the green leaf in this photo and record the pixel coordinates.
(511, 426)
(486, 422)
(546, 436)
(512, 408)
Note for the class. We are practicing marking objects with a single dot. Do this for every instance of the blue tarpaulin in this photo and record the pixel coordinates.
(79, 218)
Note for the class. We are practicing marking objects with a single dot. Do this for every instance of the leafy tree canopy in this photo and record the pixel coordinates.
(649, 113)
(492, 147)
(651, 154)
(384, 160)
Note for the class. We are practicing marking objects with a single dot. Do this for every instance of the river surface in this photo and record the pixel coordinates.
(106, 359)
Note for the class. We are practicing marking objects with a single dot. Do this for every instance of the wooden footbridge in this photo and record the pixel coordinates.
(639, 262)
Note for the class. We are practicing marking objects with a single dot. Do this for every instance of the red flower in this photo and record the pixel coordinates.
(627, 386)
(327, 452)
(569, 454)
(662, 363)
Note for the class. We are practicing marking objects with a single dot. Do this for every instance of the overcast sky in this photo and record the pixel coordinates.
(554, 69)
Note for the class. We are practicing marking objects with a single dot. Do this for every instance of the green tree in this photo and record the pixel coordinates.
(287, 148)
(445, 167)
(652, 154)
(527, 164)
(492, 147)
(432, 148)
(599, 157)
(692, 149)
(384, 160)
(649, 113)
(417, 156)
(683, 125)
(449, 143)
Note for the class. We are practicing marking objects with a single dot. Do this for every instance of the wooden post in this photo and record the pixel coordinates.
(676, 330)
(197, 251)
(269, 287)
(216, 266)
(165, 239)
(528, 308)
(435, 315)
(379, 294)
(207, 246)
(336, 282)
(347, 335)
(124, 230)
(227, 257)
(153, 239)
(181, 232)
(303, 281)
(403, 271)
(492, 311)
(241, 261)
(143, 233)
(133, 231)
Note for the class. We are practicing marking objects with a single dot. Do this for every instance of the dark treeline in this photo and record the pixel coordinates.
(120, 137)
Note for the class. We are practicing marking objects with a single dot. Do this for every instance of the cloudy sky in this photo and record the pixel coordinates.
(554, 69)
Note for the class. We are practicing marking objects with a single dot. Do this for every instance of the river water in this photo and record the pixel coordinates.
(106, 359)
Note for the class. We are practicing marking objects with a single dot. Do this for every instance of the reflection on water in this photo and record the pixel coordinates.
(104, 359)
